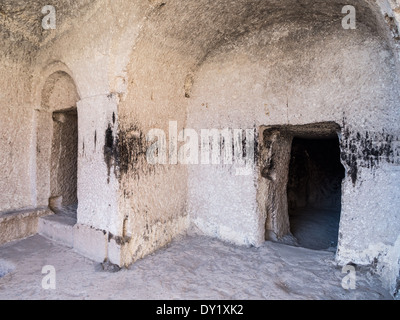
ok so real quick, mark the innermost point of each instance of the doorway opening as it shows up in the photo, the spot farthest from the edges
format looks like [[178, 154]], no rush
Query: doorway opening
[[314, 192], [299, 186], [64, 163]]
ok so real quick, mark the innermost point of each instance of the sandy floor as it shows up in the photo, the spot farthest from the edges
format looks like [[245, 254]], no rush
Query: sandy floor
[[193, 267]]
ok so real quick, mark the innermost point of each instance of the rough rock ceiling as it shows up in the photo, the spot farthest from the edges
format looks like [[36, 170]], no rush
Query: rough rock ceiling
[[199, 27], [203, 22], [21, 20]]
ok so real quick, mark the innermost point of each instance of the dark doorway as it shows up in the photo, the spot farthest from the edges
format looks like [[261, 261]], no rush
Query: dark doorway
[[64, 159], [314, 192]]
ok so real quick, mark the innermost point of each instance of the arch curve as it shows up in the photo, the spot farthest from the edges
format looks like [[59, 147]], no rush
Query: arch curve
[[47, 78]]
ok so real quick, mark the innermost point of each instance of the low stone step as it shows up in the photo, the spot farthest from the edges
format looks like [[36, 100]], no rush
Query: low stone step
[[59, 228]]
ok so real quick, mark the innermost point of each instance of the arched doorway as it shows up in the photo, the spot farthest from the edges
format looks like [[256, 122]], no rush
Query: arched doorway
[[57, 144]]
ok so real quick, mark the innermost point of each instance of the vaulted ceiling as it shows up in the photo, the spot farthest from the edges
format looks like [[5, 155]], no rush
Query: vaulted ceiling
[[201, 25]]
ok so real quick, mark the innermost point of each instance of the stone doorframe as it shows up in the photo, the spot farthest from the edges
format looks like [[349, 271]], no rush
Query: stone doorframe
[[275, 152]]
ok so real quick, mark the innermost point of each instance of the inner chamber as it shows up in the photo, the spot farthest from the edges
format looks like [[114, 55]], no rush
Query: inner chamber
[[314, 192], [64, 158]]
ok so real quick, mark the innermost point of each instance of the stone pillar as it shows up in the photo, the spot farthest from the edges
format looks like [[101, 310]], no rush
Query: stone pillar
[[98, 214]]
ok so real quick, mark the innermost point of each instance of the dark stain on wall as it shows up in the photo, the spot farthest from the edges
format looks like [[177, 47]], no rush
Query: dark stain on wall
[[244, 145], [109, 140], [367, 150], [257, 150], [109, 150], [95, 139], [250, 151], [127, 152], [131, 154], [118, 240]]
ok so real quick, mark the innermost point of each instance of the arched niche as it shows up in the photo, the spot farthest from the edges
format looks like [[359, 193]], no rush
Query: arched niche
[[57, 142]]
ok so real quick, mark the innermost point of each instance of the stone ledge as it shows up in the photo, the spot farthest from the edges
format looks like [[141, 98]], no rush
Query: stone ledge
[[16, 225]]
